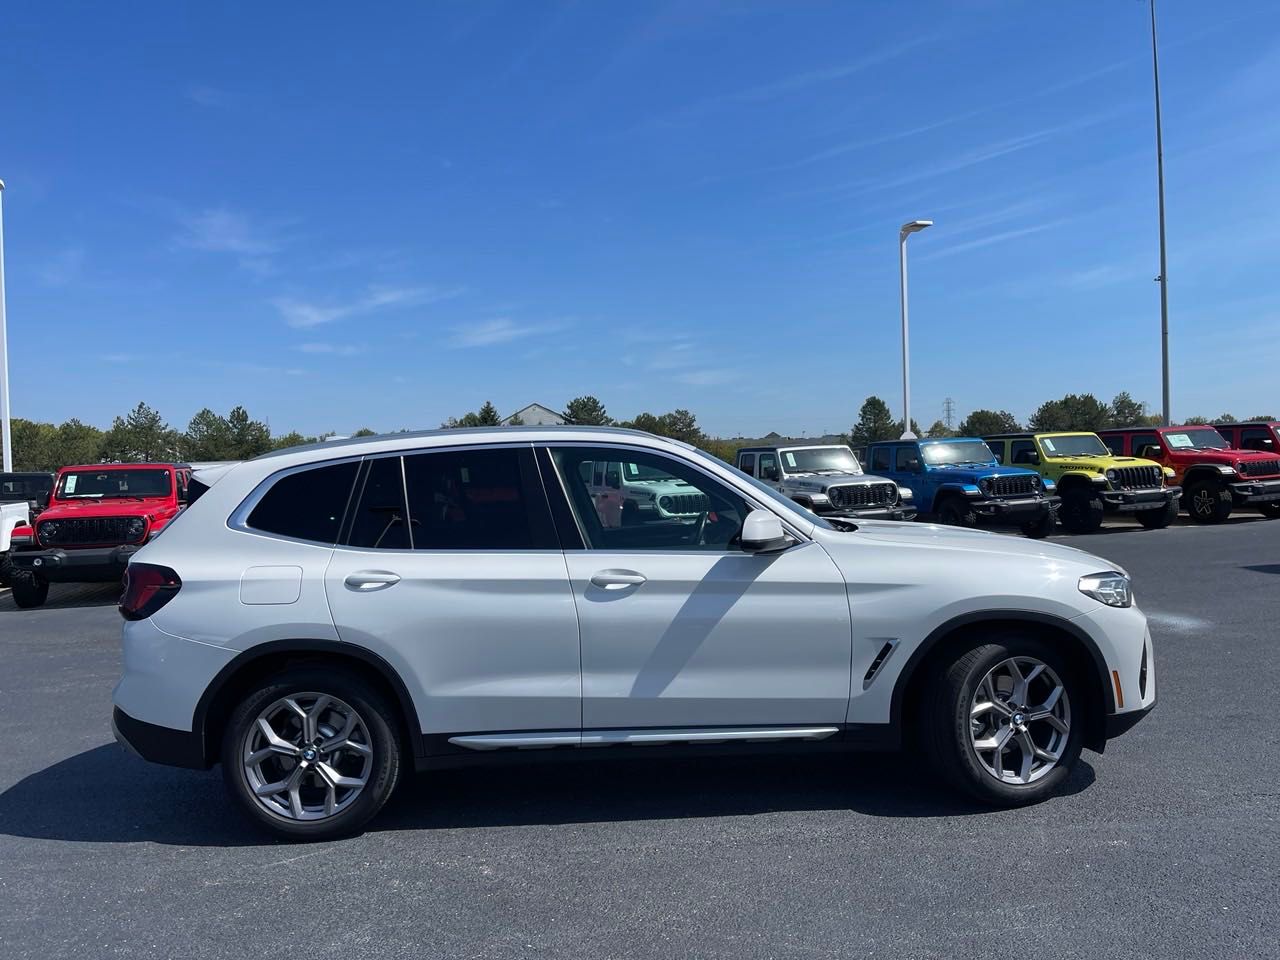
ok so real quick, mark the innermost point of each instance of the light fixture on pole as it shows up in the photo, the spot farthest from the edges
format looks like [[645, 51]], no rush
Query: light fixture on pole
[[907, 229], [6, 440]]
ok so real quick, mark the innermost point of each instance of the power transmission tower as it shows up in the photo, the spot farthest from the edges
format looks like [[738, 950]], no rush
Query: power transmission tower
[[949, 413]]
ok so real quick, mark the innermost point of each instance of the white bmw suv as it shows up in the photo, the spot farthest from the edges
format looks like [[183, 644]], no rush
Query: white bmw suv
[[323, 618]]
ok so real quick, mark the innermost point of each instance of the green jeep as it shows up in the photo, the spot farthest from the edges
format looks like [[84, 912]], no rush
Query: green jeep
[[1091, 480]]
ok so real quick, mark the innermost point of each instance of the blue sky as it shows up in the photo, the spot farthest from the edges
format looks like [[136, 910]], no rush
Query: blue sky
[[343, 216]]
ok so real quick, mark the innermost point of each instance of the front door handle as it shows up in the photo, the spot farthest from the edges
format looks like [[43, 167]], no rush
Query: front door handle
[[617, 579], [367, 581]]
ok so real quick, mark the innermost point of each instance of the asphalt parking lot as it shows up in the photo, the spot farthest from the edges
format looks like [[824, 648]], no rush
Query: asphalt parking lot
[[1167, 846]]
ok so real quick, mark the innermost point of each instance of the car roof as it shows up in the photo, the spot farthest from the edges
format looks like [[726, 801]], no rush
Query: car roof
[[793, 446], [1248, 423], [126, 466]]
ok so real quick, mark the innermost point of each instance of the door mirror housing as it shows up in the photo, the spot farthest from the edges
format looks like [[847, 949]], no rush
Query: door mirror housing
[[913, 465], [770, 473], [762, 533]]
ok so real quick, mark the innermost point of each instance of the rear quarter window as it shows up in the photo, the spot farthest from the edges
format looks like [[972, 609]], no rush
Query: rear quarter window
[[306, 505]]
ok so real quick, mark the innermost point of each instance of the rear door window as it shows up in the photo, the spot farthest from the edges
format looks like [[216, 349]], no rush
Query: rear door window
[[747, 464], [1020, 450], [1115, 444], [880, 459], [1257, 438], [306, 505], [381, 519]]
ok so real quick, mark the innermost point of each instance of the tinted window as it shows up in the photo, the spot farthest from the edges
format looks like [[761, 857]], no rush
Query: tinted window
[[1020, 451], [769, 467], [307, 505], [903, 458], [380, 520], [1257, 438], [667, 504], [747, 464], [997, 449], [1115, 444], [1140, 440], [880, 459], [480, 500]]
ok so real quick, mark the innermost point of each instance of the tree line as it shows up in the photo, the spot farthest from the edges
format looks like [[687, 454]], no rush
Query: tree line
[[144, 435]]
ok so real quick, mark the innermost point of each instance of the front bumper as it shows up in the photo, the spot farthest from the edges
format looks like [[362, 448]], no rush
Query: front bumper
[[1021, 508], [902, 511], [177, 748], [76, 565], [1255, 491], [1133, 501]]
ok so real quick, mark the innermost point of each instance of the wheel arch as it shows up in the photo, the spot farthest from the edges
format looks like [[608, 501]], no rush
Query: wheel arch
[[1202, 471], [961, 630], [1074, 481], [945, 492], [218, 700]]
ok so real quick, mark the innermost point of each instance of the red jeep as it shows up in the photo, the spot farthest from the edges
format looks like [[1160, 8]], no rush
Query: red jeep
[[1261, 435], [1214, 476], [98, 516]]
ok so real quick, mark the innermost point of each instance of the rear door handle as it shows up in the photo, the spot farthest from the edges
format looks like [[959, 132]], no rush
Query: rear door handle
[[367, 581], [617, 579]]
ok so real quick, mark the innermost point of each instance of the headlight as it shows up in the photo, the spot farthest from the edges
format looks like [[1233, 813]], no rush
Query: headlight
[[1112, 476], [1111, 588], [817, 498], [984, 485], [49, 530], [905, 493], [664, 503], [1224, 469], [136, 528]]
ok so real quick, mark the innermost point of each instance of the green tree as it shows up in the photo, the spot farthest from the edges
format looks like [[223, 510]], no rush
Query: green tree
[[1073, 412], [586, 411], [677, 425], [208, 437], [365, 432], [292, 439], [35, 445], [249, 438], [1266, 418], [1196, 421], [78, 443], [1226, 418], [938, 429], [986, 423], [915, 428], [874, 423], [142, 436], [515, 420], [488, 416], [1127, 412]]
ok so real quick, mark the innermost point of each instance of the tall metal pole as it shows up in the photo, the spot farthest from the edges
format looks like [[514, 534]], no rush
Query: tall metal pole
[[906, 364], [6, 440], [1164, 267]]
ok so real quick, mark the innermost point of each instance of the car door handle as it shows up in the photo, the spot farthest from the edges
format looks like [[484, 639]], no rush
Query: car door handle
[[617, 579], [368, 580]]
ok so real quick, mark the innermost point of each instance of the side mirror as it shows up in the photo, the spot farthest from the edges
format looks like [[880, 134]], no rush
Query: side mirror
[[1033, 458], [913, 465], [1150, 452], [770, 473], [762, 533]]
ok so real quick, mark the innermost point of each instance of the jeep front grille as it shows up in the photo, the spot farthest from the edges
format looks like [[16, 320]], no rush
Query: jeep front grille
[[1137, 478], [856, 495], [84, 531], [1259, 468], [684, 503], [1012, 486]]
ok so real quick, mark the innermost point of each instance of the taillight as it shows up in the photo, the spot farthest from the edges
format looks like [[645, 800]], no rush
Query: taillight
[[147, 588]]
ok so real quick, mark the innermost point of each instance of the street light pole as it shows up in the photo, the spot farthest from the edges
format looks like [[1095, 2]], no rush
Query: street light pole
[[907, 229], [6, 440], [1164, 268]]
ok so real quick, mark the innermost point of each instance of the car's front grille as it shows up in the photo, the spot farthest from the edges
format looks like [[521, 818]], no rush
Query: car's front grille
[[1137, 478], [862, 495], [84, 531], [684, 503], [1012, 486], [1259, 468]]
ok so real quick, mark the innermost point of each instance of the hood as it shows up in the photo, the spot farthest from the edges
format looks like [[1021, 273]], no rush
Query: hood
[[115, 507], [963, 540], [969, 474], [817, 484], [1228, 458], [1100, 464]]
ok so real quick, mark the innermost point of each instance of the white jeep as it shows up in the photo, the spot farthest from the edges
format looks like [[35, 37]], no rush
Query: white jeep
[[828, 480]]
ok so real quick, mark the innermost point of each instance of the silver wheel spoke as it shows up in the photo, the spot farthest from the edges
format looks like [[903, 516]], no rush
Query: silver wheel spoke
[[335, 779], [1056, 723], [1028, 749], [1043, 710], [275, 743], [311, 725], [1019, 694], [993, 732], [998, 743], [333, 746]]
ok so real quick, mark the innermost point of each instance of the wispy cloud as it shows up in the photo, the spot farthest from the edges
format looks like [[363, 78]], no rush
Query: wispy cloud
[[490, 333], [227, 231], [302, 314], [332, 349], [994, 238], [62, 268]]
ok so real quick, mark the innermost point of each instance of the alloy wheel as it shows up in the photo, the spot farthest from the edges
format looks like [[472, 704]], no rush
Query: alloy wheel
[[307, 756], [1203, 502], [1020, 720]]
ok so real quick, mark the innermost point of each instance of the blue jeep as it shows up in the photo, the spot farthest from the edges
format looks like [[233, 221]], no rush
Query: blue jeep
[[957, 480]]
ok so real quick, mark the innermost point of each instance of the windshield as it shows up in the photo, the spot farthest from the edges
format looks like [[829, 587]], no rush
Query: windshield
[[957, 452], [102, 484], [1074, 445], [641, 471], [820, 459], [1202, 438]]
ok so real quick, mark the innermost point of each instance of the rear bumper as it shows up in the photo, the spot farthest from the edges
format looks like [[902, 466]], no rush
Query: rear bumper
[[177, 748], [1132, 501], [1255, 491], [83, 565], [1021, 508]]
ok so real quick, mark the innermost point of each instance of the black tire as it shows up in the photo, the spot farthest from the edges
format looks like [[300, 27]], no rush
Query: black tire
[[1041, 527], [1159, 519], [1081, 511], [6, 570], [947, 735], [1270, 510], [955, 512], [384, 739], [1207, 501], [28, 589]]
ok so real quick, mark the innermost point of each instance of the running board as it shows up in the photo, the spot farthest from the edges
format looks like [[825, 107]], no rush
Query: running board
[[602, 738]]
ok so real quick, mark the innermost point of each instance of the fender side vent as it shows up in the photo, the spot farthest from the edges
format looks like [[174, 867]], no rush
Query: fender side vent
[[1142, 674], [881, 658]]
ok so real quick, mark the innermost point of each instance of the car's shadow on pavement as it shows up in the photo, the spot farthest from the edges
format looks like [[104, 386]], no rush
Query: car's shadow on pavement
[[106, 795], [68, 596]]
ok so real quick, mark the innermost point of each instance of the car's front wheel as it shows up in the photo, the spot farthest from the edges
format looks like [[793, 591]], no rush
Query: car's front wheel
[[311, 755], [1207, 501], [1000, 720], [1159, 519], [28, 589], [1081, 511], [1042, 526]]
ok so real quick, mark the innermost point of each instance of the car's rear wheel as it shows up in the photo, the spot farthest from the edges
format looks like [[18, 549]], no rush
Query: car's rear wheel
[[1081, 511], [956, 512], [28, 589], [999, 721], [1207, 501], [1159, 519], [310, 755], [1041, 526]]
